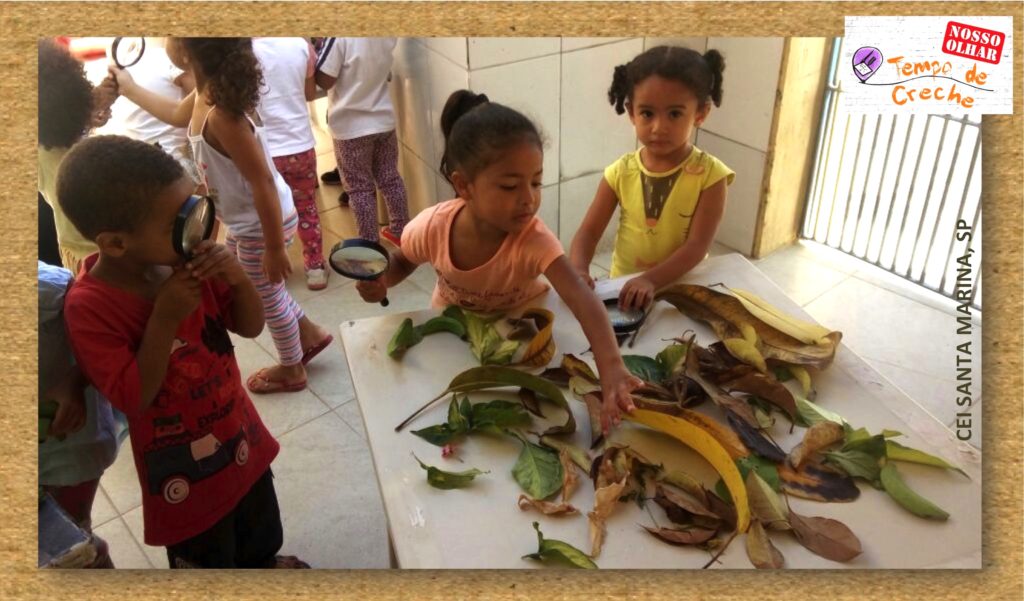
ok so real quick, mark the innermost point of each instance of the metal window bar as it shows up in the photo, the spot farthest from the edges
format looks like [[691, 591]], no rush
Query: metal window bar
[[861, 188]]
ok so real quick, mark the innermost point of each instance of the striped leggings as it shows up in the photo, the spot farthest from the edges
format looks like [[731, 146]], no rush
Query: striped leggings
[[281, 311]]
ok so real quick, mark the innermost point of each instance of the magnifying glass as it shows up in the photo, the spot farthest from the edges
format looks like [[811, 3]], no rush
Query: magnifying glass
[[127, 51], [193, 224], [360, 259], [623, 321]]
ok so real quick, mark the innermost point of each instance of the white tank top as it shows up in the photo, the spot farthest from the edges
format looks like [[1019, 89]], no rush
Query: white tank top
[[231, 192]]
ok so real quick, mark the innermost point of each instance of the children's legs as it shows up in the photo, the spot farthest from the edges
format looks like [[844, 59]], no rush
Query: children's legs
[[392, 188], [299, 172], [278, 306], [356, 164]]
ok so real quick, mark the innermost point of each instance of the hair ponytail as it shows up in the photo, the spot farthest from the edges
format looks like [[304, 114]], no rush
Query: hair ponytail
[[716, 63], [620, 89]]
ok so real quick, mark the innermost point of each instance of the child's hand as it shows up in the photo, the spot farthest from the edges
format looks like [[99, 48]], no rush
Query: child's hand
[[71, 411], [616, 389], [178, 297], [372, 291], [122, 79], [103, 96], [637, 293], [585, 276], [215, 260], [276, 265]]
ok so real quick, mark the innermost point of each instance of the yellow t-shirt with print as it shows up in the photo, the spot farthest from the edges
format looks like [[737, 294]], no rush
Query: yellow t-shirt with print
[[655, 209]]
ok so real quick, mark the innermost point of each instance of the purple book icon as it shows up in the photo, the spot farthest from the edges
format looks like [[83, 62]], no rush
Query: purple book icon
[[866, 61]]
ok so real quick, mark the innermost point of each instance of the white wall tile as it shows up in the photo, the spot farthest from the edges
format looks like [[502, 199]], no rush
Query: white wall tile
[[737, 228], [699, 44], [592, 135], [530, 87], [570, 44], [748, 94], [549, 201], [410, 93], [454, 49], [575, 197], [419, 181], [486, 52], [445, 78]]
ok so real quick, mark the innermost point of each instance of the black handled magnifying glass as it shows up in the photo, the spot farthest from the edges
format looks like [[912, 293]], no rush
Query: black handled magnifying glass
[[193, 224], [624, 321], [360, 259], [125, 52]]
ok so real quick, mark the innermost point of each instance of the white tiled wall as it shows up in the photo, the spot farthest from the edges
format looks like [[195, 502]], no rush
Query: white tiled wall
[[562, 83]]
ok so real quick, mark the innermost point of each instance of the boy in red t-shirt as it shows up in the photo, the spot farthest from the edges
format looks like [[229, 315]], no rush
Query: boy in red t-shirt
[[151, 334]]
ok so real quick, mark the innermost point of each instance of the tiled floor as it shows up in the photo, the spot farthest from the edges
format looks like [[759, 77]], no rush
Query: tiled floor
[[330, 503]]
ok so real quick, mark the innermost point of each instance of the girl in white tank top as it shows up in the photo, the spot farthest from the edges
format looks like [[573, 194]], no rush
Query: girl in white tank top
[[252, 199]]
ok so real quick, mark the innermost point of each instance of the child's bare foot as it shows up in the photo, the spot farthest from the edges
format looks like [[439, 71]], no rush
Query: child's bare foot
[[313, 338], [279, 378]]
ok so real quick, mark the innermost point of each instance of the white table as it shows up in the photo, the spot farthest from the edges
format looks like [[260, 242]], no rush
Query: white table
[[482, 527]]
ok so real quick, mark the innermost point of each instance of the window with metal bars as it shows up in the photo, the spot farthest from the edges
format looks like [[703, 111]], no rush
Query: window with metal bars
[[891, 189]]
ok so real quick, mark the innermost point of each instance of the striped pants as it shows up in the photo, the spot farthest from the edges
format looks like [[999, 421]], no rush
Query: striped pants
[[280, 309], [366, 164]]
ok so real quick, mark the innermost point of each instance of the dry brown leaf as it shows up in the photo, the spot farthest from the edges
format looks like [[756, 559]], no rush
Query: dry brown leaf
[[542, 348], [760, 550], [817, 437], [724, 313], [546, 507], [826, 537], [672, 501], [578, 367], [689, 536], [570, 480], [718, 396], [529, 400], [606, 499]]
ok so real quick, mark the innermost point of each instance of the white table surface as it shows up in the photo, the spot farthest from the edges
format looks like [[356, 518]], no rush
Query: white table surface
[[482, 526]]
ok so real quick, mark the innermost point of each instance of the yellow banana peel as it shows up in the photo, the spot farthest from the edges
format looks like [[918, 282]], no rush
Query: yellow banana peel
[[749, 333], [746, 352], [705, 444], [801, 375], [719, 431], [809, 333]]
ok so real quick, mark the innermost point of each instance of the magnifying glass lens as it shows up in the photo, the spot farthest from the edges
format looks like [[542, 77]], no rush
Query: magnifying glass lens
[[623, 320], [127, 51], [358, 262], [197, 227]]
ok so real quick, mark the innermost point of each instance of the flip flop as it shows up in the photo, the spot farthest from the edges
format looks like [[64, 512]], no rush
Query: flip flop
[[289, 562], [260, 384], [314, 350]]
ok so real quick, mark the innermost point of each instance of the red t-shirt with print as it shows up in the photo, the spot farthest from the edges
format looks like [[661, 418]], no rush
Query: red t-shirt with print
[[200, 446]]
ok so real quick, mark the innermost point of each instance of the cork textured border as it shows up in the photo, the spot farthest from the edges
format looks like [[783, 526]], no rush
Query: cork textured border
[[21, 23]]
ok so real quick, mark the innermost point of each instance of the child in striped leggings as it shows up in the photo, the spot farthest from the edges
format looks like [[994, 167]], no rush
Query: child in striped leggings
[[253, 201], [356, 72]]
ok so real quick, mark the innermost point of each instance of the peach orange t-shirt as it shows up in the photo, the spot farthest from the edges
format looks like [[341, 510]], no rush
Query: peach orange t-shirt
[[507, 280]]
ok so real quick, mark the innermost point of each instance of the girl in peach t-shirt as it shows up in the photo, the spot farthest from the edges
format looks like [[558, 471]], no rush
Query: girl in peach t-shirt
[[488, 247]]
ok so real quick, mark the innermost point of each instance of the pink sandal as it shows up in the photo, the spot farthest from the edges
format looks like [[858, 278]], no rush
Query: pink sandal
[[258, 383], [314, 350]]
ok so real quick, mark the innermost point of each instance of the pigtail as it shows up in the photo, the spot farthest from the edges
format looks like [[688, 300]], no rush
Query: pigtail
[[618, 93], [233, 73], [458, 104], [716, 63]]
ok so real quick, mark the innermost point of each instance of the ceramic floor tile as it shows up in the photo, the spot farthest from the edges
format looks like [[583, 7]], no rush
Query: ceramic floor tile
[[283, 411], [120, 481], [157, 556], [102, 509], [124, 550], [802, 279], [331, 509], [881, 325], [351, 415]]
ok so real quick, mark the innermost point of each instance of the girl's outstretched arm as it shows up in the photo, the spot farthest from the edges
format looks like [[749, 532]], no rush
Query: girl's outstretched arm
[[169, 110], [639, 291], [399, 268], [584, 243], [235, 135], [616, 381]]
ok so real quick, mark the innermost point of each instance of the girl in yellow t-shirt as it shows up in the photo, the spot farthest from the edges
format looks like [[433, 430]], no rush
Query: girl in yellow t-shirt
[[671, 193]]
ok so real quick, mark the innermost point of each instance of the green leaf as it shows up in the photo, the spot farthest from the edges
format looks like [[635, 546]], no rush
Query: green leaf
[[894, 485], [455, 312], [487, 344], [439, 435], [555, 550], [812, 414], [537, 470], [765, 504], [891, 433], [499, 414], [856, 463], [764, 468], [491, 377], [578, 455], [645, 368], [457, 420], [406, 336], [897, 452], [782, 373], [672, 358], [442, 324], [448, 480]]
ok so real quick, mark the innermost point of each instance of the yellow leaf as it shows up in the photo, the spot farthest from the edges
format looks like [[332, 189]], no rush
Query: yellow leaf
[[605, 500], [542, 347], [708, 447]]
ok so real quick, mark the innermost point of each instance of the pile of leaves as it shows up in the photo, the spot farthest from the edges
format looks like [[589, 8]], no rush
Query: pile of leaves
[[742, 376]]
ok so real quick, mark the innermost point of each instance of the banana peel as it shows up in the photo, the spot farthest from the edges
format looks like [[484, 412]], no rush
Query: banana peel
[[806, 332], [746, 352], [708, 447]]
